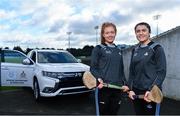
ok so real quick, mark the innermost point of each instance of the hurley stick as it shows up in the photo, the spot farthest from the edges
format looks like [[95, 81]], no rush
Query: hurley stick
[[155, 95], [90, 82]]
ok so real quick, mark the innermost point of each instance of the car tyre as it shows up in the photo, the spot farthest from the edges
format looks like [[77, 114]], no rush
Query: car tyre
[[36, 90]]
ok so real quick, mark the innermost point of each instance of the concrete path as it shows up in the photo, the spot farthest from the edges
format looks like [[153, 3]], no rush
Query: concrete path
[[21, 102]]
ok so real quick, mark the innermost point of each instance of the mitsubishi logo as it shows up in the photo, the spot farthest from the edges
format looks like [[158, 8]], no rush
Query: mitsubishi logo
[[78, 74]]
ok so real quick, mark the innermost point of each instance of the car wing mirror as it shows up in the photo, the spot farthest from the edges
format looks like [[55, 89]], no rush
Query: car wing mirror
[[79, 60], [26, 61]]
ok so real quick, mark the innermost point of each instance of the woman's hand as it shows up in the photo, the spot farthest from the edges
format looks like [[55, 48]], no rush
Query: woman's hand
[[131, 94], [125, 88], [100, 86], [146, 96]]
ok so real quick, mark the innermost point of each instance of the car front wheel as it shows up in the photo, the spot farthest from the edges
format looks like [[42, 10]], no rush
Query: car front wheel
[[36, 90]]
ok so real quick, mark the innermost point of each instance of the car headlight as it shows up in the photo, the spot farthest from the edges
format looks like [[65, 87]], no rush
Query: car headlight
[[52, 74]]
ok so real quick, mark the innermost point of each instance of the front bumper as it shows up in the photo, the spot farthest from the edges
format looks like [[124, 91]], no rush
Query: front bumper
[[71, 83], [67, 91]]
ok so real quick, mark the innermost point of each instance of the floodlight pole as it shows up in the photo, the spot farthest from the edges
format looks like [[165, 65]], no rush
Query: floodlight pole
[[69, 33], [156, 17], [96, 29]]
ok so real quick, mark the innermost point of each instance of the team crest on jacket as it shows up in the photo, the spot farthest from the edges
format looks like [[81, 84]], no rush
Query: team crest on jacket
[[135, 54], [146, 54]]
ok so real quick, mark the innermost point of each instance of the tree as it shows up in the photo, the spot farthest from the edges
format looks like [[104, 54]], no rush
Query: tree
[[87, 50], [18, 48], [28, 50], [6, 48]]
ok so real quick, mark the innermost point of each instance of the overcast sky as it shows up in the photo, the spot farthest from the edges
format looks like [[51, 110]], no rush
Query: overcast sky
[[45, 23]]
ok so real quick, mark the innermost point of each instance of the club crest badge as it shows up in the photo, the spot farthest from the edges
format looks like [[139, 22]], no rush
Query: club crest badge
[[23, 75], [146, 54]]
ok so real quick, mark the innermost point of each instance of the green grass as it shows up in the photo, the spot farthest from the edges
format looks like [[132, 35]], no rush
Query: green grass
[[14, 60], [8, 88]]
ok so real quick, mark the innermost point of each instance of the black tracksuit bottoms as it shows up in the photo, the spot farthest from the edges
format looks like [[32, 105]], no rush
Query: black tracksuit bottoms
[[109, 101], [142, 107]]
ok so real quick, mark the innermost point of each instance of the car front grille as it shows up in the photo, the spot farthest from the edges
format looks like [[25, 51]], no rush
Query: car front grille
[[71, 79]]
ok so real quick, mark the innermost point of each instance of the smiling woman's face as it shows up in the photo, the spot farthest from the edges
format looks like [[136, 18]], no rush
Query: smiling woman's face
[[109, 34], [142, 33]]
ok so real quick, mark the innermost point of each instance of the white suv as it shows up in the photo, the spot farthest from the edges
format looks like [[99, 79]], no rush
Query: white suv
[[47, 72]]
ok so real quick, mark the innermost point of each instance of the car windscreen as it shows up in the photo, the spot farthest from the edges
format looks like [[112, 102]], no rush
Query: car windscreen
[[55, 57]]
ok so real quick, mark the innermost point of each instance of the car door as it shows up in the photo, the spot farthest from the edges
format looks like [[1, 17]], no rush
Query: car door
[[13, 71]]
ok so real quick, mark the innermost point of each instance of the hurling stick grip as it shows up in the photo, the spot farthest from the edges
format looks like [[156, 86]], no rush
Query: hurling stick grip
[[138, 96], [112, 86]]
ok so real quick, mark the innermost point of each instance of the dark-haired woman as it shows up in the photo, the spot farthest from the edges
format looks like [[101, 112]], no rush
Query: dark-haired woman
[[147, 68]]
